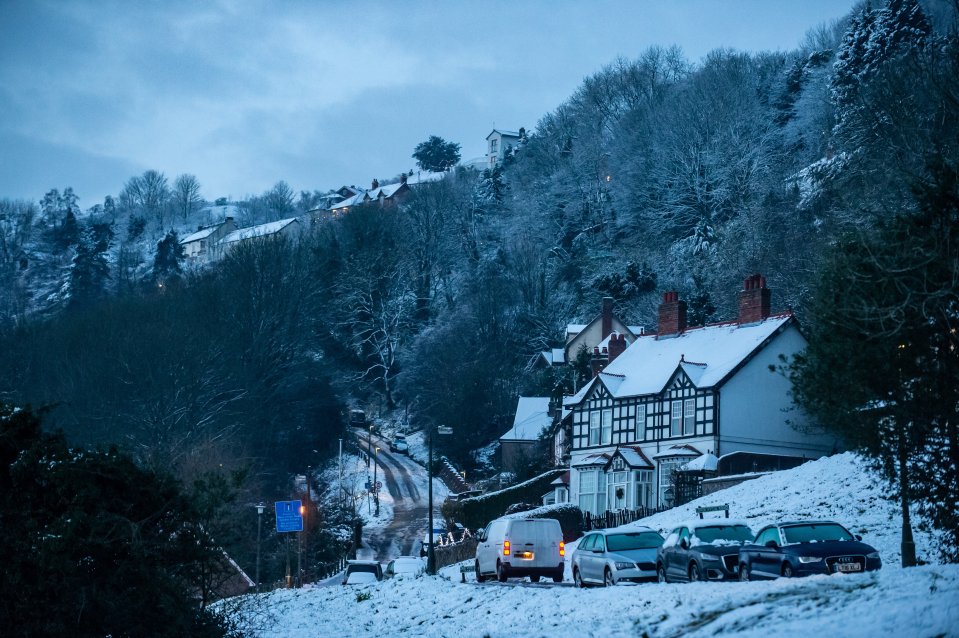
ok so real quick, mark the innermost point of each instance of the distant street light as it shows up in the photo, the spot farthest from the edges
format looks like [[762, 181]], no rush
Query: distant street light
[[259, 528]]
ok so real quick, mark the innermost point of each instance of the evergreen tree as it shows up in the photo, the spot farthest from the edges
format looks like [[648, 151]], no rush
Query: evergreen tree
[[90, 271], [169, 255], [882, 365], [94, 546], [436, 154]]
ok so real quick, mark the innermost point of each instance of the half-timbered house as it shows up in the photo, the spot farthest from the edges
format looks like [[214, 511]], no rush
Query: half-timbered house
[[671, 397]]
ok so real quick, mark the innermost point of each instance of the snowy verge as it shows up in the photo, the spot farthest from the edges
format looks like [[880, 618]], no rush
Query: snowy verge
[[914, 602], [839, 488]]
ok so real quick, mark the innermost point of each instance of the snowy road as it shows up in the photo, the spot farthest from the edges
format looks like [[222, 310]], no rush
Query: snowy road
[[404, 504]]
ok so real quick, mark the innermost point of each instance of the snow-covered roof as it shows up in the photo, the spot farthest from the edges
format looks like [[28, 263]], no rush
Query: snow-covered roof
[[554, 356], [532, 417], [562, 480], [677, 450], [707, 355], [593, 459], [203, 233], [706, 463], [502, 132], [258, 231], [634, 457]]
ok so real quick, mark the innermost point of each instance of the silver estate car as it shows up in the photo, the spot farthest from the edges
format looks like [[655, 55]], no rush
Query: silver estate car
[[607, 557]]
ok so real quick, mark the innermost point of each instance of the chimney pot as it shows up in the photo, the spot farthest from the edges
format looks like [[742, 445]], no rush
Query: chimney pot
[[754, 300]]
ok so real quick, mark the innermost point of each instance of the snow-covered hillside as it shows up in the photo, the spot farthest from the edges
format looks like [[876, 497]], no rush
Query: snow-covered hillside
[[894, 601]]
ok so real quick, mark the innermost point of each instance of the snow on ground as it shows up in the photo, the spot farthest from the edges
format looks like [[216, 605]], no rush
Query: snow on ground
[[916, 602], [838, 488]]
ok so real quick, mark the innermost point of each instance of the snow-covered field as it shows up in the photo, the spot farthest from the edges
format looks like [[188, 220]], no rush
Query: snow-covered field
[[914, 602]]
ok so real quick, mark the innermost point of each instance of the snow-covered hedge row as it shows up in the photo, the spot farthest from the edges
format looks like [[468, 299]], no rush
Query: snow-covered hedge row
[[476, 512]]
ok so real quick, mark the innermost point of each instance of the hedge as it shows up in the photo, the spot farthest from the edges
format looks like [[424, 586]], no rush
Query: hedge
[[476, 512]]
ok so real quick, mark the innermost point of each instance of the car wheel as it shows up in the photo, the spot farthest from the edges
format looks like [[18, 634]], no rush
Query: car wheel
[[578, 579], [558, 576], [695, 574], [479, 576], [787, 571], [661, 573], [534, 578], [608, 580], [744, 572], [501, 575]]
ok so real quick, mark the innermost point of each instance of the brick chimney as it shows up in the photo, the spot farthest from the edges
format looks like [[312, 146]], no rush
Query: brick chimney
[[376, 184], [599, 360], [754, 300], [617, 346], [672, 315], [607, 316]]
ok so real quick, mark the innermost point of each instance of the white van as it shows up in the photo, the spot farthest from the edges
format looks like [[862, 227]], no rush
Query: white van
[[521, 547]]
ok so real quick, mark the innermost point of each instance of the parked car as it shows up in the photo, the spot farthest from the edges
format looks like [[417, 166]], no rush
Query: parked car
[[399, 444], [607, 557], [802, 548], [517, 547], [438, 532], [405, 566], [703, 550], [362, 572]]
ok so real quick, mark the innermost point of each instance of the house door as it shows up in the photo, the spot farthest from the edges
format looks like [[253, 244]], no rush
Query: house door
[[616, 496]]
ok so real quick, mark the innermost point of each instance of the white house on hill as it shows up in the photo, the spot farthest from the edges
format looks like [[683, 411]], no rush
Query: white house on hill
[[670, 398], [498, 143]]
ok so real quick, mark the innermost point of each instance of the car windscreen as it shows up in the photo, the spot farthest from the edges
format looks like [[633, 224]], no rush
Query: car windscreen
[[632, 540], [729, 533], [811, 533], [353, 569]]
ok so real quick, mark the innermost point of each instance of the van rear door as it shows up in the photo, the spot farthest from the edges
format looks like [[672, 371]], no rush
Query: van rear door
[[535, 543]]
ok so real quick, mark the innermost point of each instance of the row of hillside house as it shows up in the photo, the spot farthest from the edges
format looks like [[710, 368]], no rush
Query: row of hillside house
[[688, 399], [527, 437], [213, 242]]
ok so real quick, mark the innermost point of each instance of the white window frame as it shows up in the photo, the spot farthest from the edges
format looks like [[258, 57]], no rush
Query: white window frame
[[676, 418], [689, 416], [641, 422], [594, 427], [606, 425], [642, 489]]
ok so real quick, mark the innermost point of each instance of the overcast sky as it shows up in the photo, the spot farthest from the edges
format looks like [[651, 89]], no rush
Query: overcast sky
[[320, 94]]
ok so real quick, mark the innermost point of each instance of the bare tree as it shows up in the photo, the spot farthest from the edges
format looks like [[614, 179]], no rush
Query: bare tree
[[186, 195]]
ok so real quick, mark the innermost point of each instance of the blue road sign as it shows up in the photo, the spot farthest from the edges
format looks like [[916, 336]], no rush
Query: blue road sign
[[288, 517]]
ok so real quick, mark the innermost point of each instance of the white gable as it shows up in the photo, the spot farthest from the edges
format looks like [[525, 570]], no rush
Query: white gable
[[532, 417]]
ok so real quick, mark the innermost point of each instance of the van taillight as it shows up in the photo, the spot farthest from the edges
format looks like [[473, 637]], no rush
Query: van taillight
[[505, 548], [562, 548]]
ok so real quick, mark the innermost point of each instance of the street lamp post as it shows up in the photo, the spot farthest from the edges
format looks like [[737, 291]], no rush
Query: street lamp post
[[259, 530], [376, 491], [369, 446]]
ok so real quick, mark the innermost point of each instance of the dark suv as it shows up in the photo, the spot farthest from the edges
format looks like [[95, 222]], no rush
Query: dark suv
[[702, 550], [802, 548]]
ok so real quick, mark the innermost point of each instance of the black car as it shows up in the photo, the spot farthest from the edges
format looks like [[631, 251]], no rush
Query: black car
[[702, 550], [803, 548]]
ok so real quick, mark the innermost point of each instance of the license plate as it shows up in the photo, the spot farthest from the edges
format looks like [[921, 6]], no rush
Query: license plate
[[848, 567], [525, 555]]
